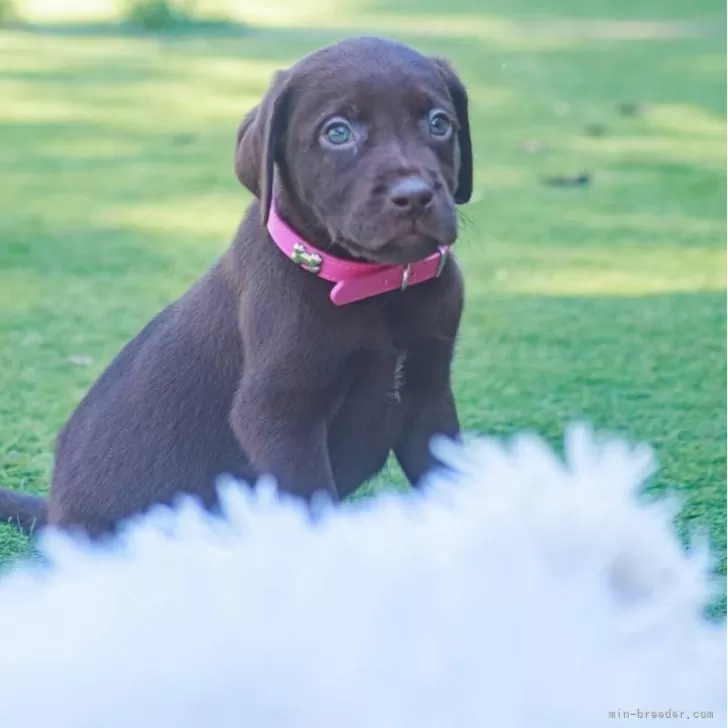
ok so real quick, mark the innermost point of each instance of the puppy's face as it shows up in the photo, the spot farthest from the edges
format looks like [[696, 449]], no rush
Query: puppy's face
[[371, 141]]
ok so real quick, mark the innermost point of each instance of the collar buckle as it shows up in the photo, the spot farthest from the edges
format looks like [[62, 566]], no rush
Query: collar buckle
[[444, 252], [406, 273]]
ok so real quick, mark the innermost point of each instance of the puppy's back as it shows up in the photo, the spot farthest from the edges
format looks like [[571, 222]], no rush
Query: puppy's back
[[124, 448]]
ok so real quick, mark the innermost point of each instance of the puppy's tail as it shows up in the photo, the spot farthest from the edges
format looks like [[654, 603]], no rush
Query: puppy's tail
[[26, 512]]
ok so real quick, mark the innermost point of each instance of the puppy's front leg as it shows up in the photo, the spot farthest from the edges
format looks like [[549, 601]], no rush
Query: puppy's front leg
[[293, 374], [282, 429], [430, 409]]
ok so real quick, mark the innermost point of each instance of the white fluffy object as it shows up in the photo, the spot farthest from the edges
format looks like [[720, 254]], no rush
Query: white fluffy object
[[521, 592]]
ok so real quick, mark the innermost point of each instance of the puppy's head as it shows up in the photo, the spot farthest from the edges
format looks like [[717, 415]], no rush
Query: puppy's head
[[371, 143]]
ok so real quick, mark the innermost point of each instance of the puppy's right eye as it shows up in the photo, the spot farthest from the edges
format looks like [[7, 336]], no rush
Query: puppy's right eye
[[337, 133]]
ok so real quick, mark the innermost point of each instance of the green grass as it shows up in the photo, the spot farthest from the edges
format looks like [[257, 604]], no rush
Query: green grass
[[604, 303]]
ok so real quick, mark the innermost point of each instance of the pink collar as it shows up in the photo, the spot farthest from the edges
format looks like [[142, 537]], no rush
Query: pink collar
[[354, 281]]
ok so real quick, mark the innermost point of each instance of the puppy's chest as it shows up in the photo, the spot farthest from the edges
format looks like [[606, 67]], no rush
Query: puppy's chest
[[380, 379], [393, 380], [393, 395]]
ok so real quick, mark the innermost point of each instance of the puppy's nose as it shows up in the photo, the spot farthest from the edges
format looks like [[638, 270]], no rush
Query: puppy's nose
[[411, 196]]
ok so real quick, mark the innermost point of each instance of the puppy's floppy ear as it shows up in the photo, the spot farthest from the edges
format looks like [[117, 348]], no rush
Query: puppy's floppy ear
[[460, 98], [260, 140]]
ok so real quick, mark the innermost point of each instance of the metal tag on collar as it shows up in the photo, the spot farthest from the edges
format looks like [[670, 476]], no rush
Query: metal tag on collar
[[308, 261]]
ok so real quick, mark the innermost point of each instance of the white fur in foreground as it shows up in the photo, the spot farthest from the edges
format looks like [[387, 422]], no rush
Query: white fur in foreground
[[521, 593]]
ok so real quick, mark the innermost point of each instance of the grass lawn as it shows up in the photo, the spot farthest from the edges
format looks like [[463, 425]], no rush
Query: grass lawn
[[603, 302]]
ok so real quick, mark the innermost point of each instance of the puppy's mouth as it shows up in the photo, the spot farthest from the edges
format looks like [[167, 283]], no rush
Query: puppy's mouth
[[405, 248]]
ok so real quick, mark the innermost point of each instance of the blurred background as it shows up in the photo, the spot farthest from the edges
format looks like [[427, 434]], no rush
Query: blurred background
[[594, 248]]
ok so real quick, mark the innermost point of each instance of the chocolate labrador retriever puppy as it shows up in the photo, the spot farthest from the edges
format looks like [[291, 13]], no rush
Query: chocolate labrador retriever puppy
[[322, 339]]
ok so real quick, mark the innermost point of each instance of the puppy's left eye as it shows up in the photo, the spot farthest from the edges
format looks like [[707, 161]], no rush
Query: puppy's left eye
[[440, 125]]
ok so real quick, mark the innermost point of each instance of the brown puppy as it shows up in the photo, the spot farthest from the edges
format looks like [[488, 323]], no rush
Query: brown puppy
[[363, 148]]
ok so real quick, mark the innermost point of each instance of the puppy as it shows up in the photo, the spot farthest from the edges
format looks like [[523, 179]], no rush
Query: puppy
[[322, 339]]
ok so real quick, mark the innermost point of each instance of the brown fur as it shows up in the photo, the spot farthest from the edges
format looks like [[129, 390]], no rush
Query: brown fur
[[254, 370]]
